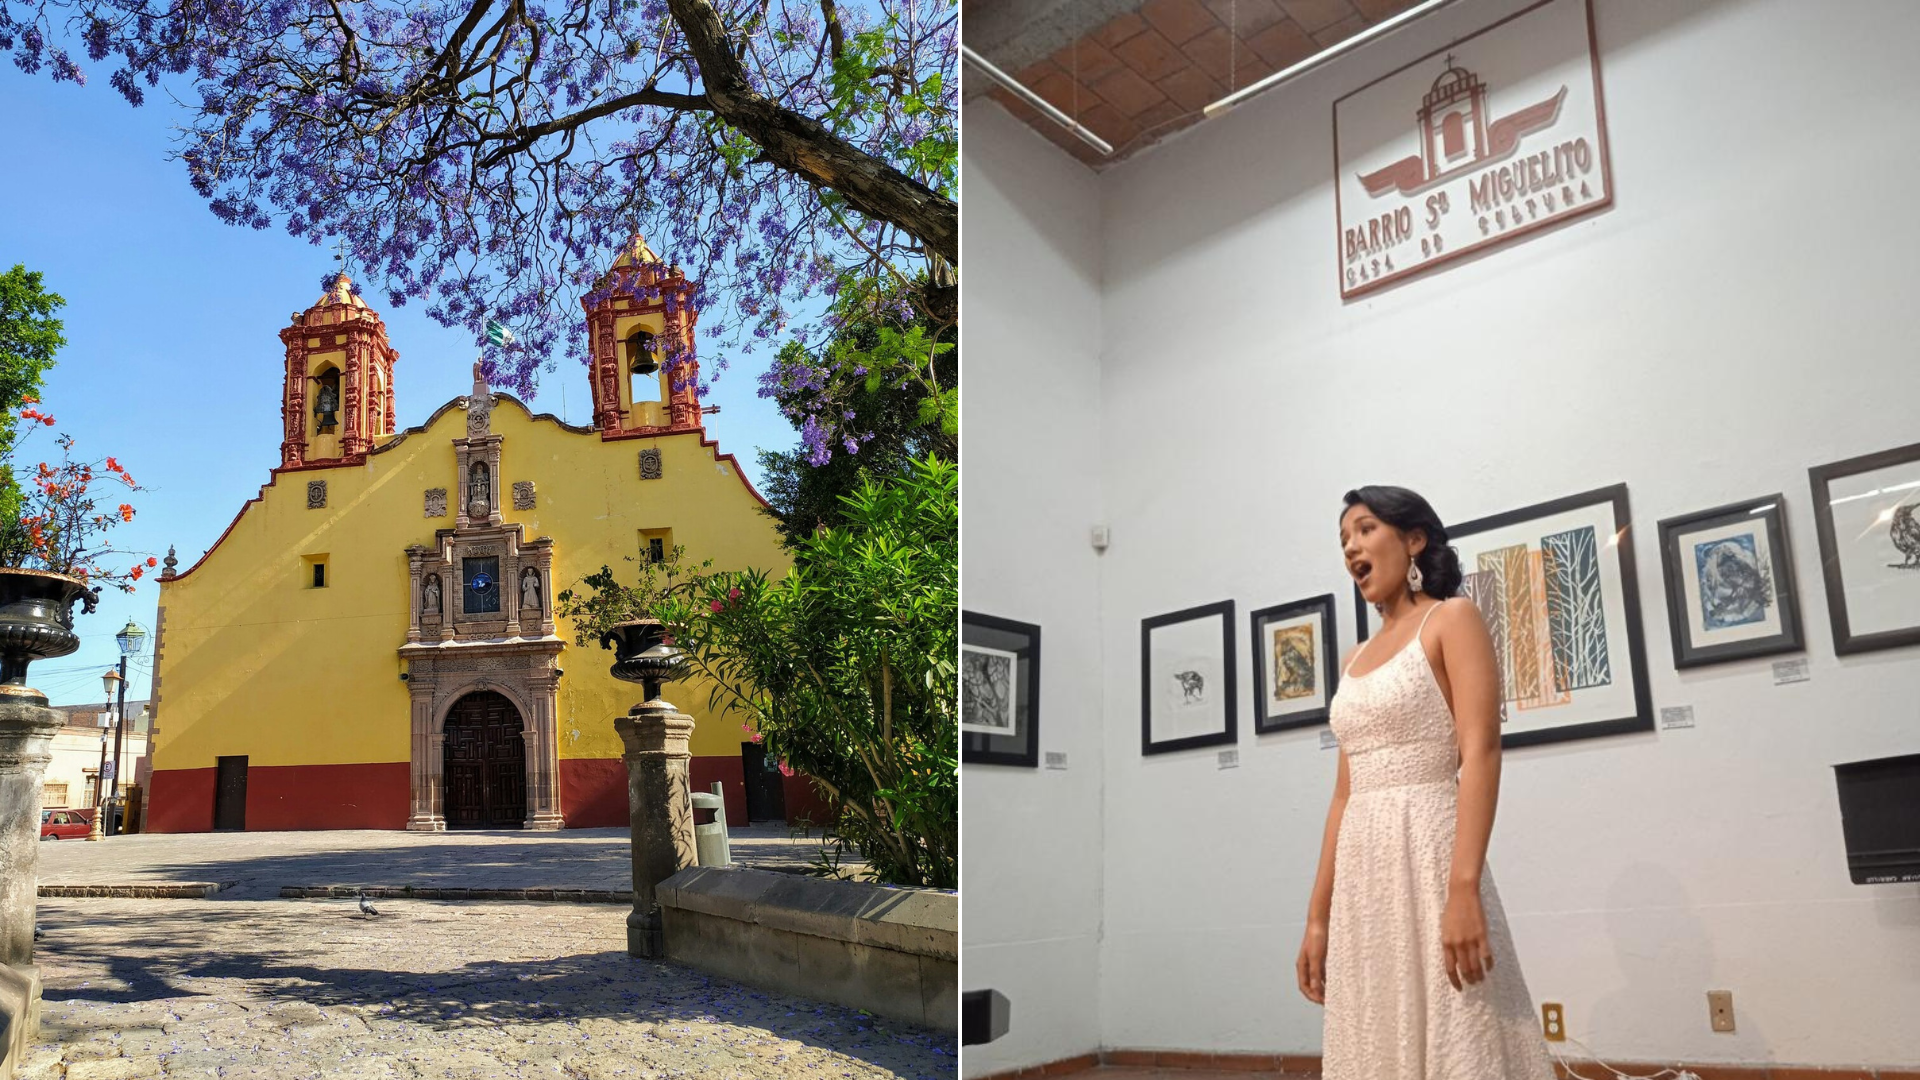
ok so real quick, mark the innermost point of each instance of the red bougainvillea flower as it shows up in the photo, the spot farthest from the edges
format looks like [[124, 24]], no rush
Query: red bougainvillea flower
[[47, 420], [151, 561], [137, 571], [716, 605], [733, 594], [126, 512], [112, 465]]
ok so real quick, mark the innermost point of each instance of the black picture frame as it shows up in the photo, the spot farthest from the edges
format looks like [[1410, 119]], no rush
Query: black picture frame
[[1776, 581], [1228, 684], [1902, 520], [1326, 661], [1361, 632], [1021, 749], [1620, 549]]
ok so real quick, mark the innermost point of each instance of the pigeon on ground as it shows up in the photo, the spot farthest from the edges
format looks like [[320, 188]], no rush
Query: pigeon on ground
[[365, 907]]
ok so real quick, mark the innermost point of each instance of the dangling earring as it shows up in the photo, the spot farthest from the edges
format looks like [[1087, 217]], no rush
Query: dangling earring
[[1414, 578]]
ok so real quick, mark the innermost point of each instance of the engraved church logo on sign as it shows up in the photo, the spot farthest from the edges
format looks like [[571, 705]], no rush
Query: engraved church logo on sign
[[1507, 137]]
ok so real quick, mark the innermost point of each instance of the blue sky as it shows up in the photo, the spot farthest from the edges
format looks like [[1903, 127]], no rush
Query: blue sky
[[172, 362]]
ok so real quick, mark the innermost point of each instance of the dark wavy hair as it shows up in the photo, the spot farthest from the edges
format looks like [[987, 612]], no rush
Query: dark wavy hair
[[1407, 511]]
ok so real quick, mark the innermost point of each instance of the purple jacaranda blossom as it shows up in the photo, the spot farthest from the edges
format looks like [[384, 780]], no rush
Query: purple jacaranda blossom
[[316, 117]]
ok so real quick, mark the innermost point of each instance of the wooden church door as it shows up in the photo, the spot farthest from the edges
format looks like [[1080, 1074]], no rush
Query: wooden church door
[[486, 764]]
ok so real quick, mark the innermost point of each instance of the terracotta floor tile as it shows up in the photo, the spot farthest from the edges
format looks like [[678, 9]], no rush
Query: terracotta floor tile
[[1316, 15], [1179, 21], [1086, 59], [1246, 17], [1150, 54], [1283, 44]]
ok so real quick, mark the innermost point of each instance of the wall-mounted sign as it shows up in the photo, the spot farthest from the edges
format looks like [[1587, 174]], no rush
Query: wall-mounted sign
[[1489, 139]]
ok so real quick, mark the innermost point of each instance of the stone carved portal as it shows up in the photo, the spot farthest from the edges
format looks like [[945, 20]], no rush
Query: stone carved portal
[[504, 652]]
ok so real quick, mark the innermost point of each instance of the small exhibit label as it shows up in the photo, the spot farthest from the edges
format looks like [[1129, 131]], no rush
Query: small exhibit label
[[1229, 759], [1790, 671], [1676, 716], [1327, 741], [1057, 759]]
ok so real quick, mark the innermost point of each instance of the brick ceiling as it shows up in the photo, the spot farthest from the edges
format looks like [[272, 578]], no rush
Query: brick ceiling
[[1140, 75]]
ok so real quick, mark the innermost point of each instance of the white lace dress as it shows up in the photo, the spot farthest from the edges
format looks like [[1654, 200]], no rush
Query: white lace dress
[[1391, 1014]]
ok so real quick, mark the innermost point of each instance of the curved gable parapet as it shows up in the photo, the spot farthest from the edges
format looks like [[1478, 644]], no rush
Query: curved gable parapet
[[460, 403], [231, 525], [705, 443]]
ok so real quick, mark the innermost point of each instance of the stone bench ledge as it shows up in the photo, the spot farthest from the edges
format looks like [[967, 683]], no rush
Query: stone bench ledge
[[921, 922]]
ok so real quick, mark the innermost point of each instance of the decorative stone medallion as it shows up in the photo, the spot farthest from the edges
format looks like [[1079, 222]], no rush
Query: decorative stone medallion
[[523, 494], [436, 503], [650, 464], [316, 494]]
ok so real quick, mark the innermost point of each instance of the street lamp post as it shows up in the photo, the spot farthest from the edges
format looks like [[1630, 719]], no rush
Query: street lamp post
[[130, 638], [109, 773]]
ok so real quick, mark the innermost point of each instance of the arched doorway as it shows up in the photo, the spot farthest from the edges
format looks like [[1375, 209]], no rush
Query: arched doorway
[[486, 764]]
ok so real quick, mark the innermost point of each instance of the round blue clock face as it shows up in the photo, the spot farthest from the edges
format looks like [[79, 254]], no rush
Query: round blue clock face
[[482, 582]]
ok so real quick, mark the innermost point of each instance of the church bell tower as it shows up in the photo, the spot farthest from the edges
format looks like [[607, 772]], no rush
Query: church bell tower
[[640, 333], [338, 396]]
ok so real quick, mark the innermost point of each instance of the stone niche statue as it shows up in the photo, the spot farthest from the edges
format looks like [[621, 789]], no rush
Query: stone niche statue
[[430, 595], [530, 590], [479, 490]]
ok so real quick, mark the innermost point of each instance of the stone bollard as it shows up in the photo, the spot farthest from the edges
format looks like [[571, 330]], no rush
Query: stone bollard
[[26, 745], [655, 735]]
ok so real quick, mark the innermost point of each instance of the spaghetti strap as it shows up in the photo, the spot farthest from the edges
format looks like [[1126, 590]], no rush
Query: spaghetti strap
[[1423, 620]]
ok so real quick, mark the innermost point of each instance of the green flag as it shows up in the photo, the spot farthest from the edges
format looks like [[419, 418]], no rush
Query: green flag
[[497, 334]]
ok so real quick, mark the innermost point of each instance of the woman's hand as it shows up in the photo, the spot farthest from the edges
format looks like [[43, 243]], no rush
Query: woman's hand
[[1463, 936], [1311, 967]]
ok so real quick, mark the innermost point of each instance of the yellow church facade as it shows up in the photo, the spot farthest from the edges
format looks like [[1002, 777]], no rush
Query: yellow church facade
[[372, 643]]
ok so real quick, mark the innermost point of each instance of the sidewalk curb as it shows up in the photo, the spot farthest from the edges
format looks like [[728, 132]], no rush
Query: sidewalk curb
[[409, 892], [172, 890]]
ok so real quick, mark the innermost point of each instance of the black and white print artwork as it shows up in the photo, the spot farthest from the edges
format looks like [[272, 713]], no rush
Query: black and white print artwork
[[1188, 684], [987, 690], [1876, 533]]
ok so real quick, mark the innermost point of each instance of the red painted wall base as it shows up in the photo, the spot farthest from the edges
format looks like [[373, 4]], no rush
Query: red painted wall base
[[593, 791], [180, 800], [297, 797], [593, 794]]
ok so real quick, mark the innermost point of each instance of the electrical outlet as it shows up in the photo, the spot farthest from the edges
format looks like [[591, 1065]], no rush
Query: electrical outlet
[[1720, 1009], [1553, 1021]]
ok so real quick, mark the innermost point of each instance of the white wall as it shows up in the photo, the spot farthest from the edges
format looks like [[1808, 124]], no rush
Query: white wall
[[1744, 311], [1030, 490]]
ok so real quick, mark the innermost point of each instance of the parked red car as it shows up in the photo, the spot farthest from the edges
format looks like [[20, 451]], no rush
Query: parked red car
[[65, 824]]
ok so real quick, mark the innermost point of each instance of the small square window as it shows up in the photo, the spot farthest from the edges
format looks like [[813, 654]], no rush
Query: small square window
[[314, 572], [655, 545]]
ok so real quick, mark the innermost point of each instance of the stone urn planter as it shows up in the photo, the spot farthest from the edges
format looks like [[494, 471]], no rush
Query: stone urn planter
[[36, 623], [659, 808], [641, 654]]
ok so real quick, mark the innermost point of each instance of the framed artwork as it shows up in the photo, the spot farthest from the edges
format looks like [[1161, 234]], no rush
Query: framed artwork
[[1187, 679], [999, 691], [1729, 578], [1556, 586], [1360, 609], [1866, 511], [1296, 656]]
